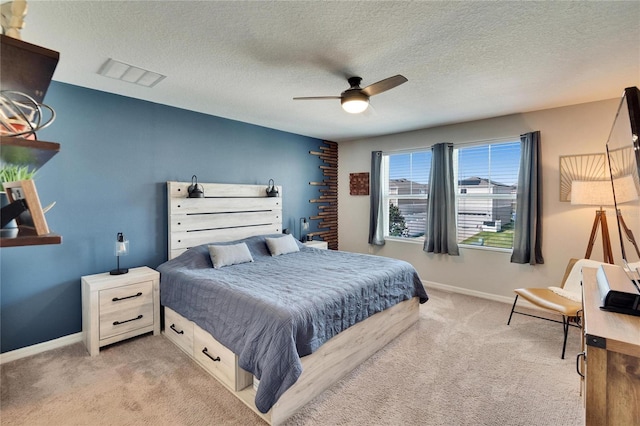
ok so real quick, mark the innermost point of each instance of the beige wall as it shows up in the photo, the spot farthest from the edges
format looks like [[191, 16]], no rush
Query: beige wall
[[579, 129]]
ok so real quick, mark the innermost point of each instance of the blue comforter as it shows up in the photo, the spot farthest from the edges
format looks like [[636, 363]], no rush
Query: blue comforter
[[274, 310]]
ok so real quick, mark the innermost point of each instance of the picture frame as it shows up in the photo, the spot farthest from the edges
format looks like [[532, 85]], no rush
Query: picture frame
[[33, 217]]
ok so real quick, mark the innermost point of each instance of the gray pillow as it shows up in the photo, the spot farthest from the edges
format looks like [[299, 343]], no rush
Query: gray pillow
[[282, 245], [226, 255]]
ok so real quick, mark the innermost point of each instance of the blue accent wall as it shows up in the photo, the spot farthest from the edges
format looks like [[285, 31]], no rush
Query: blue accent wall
[[110, 176]]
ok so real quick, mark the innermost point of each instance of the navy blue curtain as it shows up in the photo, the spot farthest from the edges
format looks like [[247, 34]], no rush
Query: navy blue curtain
[[376, 231], [441, 232], [527, 239]]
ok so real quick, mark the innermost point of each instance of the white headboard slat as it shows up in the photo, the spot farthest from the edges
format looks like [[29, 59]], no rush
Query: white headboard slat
[[228, 212]]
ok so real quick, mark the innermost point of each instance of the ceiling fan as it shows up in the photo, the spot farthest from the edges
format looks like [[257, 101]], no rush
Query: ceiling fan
[[356, 99]]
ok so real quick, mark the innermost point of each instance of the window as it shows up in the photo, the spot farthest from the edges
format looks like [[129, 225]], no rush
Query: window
[[487, 185], [487, 177], [406, 193]]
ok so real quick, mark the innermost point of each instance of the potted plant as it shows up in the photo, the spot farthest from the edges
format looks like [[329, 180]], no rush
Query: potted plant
[[13, 173]]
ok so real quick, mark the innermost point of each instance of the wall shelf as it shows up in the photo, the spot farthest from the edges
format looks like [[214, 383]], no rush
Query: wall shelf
[[26, 237], [36, 154], [22, 151], [27, 68]]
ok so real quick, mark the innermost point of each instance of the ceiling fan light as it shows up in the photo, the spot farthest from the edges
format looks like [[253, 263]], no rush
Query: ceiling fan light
[[355, 104]]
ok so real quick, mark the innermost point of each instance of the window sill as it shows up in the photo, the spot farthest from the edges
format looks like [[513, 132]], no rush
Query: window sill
[[417, 240], [485, 248], [420, 241]]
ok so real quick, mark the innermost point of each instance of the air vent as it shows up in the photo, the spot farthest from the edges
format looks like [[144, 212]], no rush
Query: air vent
[[130, 73]]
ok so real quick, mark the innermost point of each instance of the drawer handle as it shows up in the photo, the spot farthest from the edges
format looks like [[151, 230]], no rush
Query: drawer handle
[[206, 352], [117, 299], [129, 320], [580, 355], [173, 327]]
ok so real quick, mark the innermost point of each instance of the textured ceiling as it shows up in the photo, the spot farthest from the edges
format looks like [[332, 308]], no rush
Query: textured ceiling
[[247, 60]]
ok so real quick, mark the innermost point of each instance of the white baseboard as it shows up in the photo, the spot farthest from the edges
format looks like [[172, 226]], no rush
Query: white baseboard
[[40, 347], [503, 299], [468, 292]]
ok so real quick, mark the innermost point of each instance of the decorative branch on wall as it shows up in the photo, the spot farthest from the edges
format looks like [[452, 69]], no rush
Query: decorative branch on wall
[[580, 167], [359, 183], [328, 201]]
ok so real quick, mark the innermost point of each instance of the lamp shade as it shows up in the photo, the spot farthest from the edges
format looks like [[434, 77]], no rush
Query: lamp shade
[[121, 248], [600, 192], [591, 193], [195, 190], [122, 245]]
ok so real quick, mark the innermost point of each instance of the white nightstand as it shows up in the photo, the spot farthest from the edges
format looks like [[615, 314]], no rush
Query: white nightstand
[[317, 244], [116, 307]]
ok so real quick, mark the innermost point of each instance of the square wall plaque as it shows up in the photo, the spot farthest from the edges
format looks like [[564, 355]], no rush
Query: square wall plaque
[[359, 183]]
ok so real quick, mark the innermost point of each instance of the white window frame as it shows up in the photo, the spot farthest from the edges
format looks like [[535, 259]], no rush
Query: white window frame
[[384, 173], [386, 197], [471, 196]]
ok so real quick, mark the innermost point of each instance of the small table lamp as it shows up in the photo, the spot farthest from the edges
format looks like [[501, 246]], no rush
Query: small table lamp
[[304, 227], [121, 249]]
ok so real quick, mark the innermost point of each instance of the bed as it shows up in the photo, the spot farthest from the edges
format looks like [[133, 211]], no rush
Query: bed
[[276, 330]]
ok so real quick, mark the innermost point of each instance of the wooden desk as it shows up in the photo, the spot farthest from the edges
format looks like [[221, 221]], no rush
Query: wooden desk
[[612, 371]]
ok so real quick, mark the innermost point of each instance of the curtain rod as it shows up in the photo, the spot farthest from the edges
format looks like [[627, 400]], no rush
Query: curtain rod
[[457, 144]]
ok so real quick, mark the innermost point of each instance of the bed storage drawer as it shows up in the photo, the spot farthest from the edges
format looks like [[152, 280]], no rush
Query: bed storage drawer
[[179, 330], [219, 361], [126, 308]]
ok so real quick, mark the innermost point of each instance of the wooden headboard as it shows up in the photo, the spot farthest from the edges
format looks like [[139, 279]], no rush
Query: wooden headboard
[[228, 212]]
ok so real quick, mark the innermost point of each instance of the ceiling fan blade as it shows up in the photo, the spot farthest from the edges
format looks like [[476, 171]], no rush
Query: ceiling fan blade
[[384, 85], [307, 98]]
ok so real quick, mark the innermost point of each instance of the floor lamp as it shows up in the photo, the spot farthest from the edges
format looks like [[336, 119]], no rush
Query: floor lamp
[[595, 193]]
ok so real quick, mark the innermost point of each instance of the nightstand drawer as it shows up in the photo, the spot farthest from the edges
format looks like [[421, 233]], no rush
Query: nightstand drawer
[[219, 361], [179, 330], [125, 308]]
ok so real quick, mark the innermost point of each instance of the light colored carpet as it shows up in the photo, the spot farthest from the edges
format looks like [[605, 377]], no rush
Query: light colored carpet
[[459, 365]]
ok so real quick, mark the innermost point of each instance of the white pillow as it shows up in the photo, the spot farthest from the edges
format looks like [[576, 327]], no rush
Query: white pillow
[[282, 245], [229, 255]]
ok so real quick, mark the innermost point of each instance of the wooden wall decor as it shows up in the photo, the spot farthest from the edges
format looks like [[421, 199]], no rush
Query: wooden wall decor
[[359, 183], [580, 167], [328, 201]]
